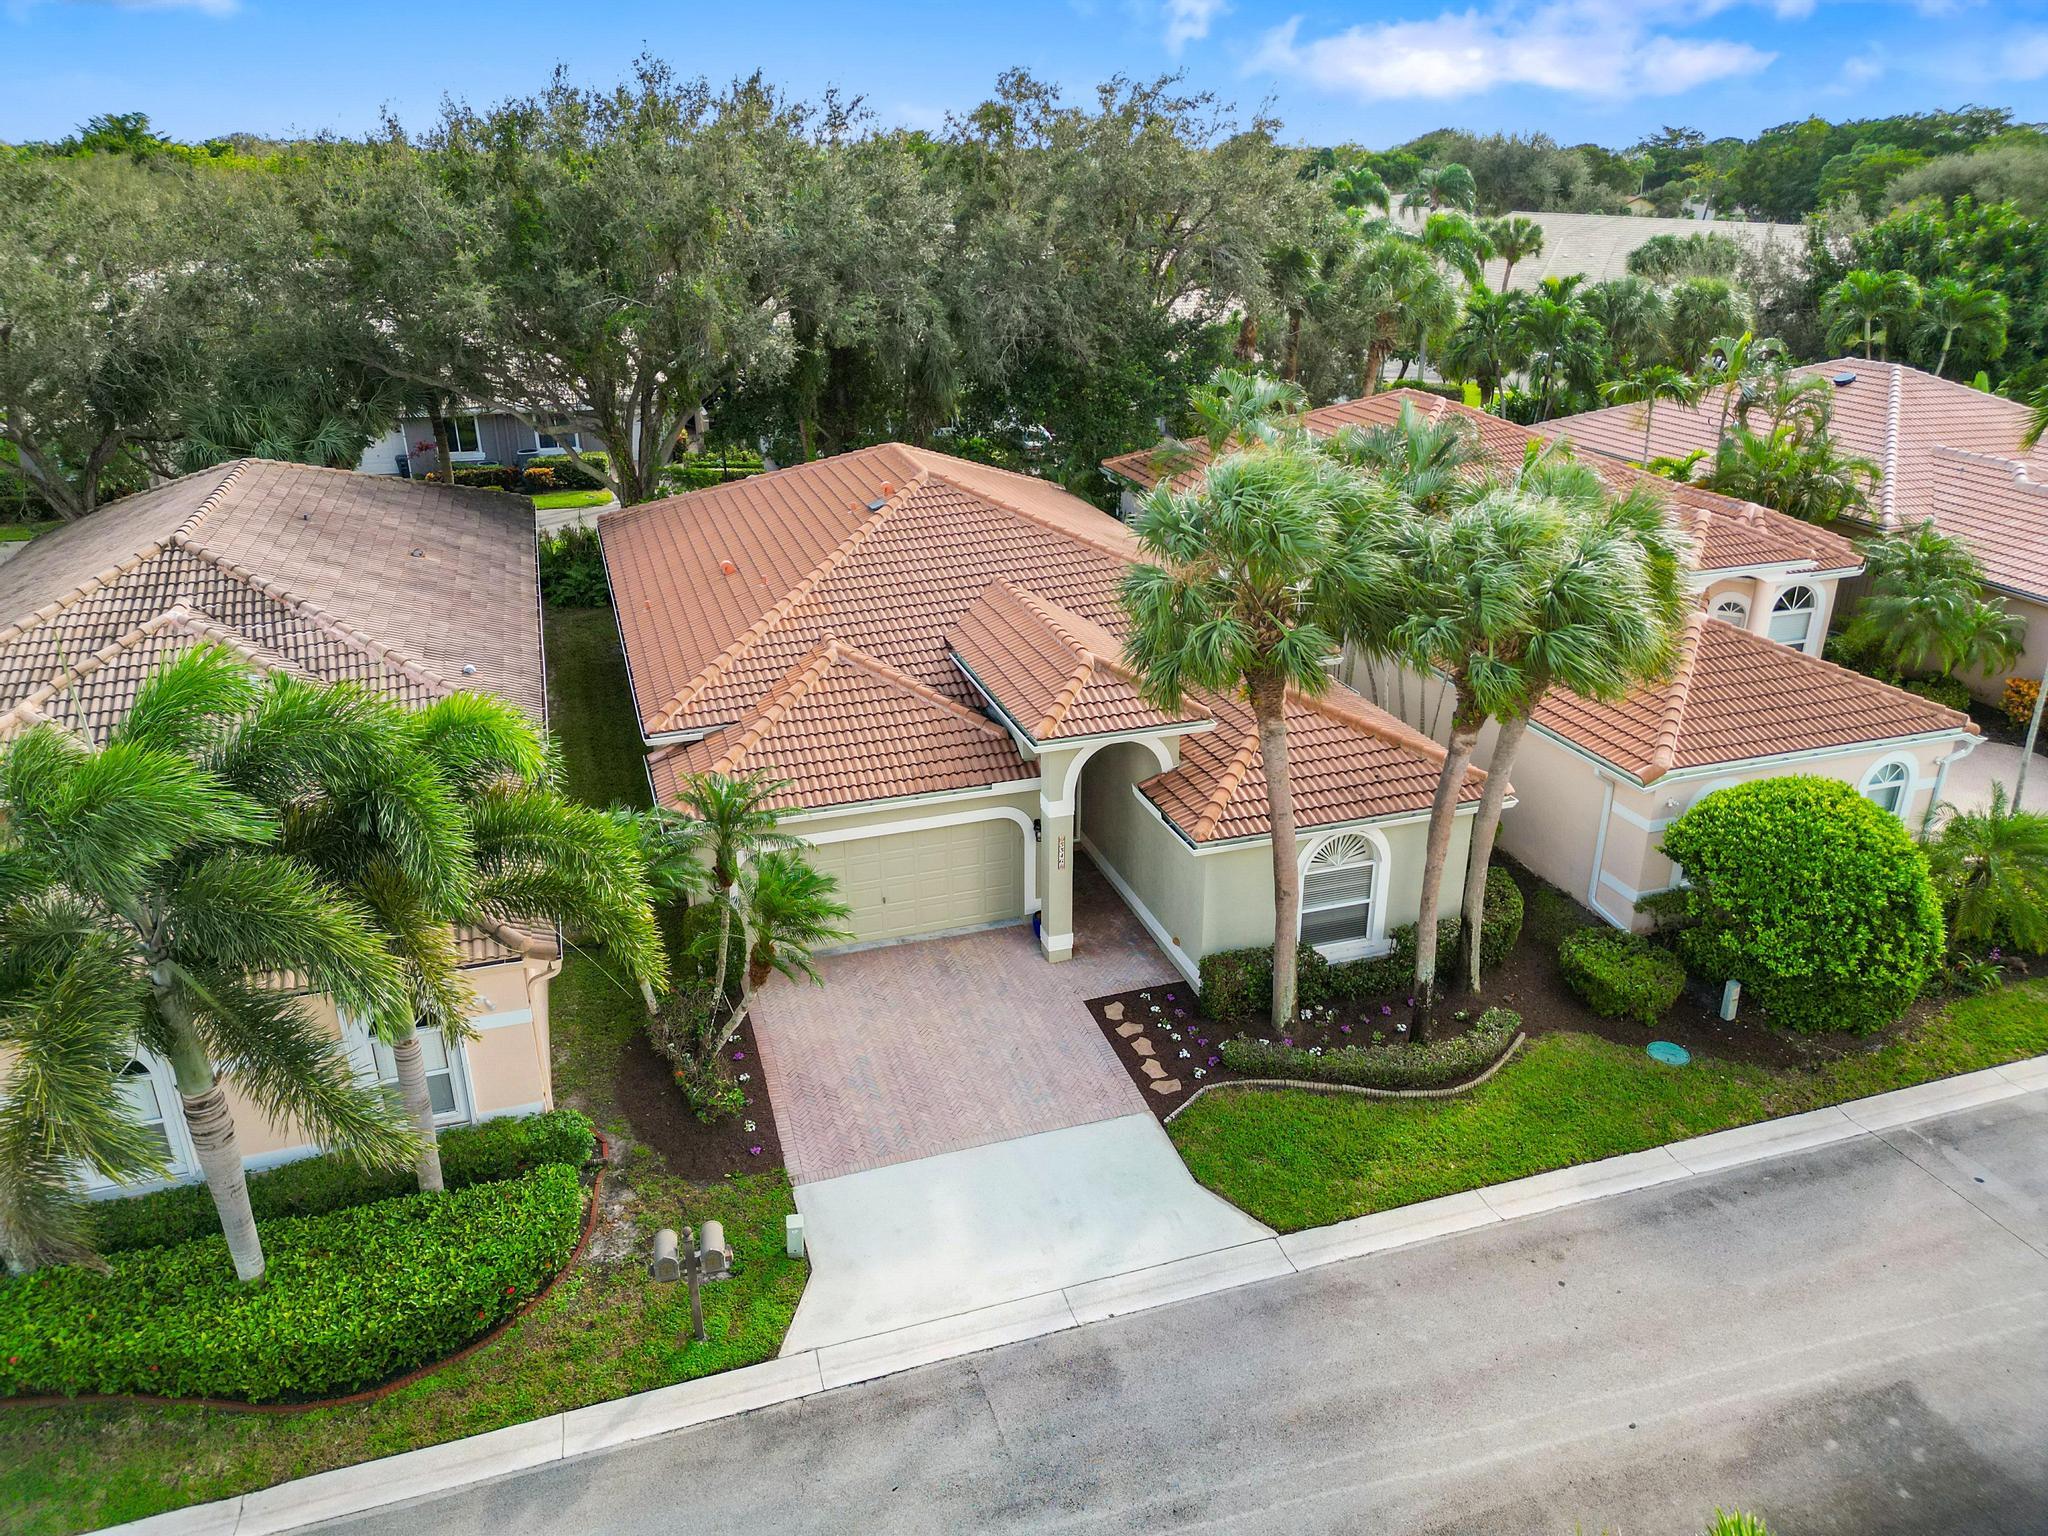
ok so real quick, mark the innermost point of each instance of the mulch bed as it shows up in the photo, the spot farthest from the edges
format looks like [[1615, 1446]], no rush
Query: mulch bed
[[1178, 1041], [654, 1108]]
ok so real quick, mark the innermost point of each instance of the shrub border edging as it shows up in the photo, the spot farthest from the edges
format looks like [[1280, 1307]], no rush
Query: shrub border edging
[[367, 1394], [1370, 1093]]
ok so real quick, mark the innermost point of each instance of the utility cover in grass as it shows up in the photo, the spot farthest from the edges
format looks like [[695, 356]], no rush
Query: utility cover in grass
[[1669, 1054]]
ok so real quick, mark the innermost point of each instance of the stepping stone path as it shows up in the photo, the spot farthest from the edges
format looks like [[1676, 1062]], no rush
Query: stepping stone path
[[1133, 1031], [1129, 1028], [1165, 1084], [1152, 1069], [1113, 1012], [1142, 1047]]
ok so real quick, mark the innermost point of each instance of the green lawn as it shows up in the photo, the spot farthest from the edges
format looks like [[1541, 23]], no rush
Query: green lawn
[[591, 709], [18, 533], [1297, 1160], [551, 501]]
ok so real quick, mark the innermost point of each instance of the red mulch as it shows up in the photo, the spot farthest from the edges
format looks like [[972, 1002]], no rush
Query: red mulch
[[660, 1119], [1529, 982]]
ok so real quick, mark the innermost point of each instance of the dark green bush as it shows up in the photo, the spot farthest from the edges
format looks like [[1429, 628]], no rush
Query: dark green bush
[[570, 474], [1819, 903], [350, 1298], [698, 942], [470, 1154], [1946, 691], [1621, 975], [1238, 983], [1434, 1064], [572, 569]]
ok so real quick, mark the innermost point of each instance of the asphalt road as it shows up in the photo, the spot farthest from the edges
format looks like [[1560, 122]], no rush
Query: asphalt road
[[1851, 1341]]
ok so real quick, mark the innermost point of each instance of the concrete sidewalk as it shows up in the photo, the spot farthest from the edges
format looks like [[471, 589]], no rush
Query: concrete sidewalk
[[2005, 1198]]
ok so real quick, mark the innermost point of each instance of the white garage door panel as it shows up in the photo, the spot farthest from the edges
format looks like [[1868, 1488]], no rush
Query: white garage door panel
[[907, 883]]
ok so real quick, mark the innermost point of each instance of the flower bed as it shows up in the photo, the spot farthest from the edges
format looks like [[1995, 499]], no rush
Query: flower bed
[[313, 1186], [349, 1299], [1441, 1063]]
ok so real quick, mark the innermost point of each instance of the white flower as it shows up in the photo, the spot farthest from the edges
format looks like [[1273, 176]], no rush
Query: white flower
[[746, 1077], [750, 1125], [1183, 1053], [1200, 1073]]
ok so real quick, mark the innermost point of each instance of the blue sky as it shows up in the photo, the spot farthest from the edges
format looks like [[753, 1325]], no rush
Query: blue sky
[[1605, 70]]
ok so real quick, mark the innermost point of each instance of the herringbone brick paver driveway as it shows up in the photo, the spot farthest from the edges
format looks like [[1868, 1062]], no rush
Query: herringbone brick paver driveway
[[915, 1049]]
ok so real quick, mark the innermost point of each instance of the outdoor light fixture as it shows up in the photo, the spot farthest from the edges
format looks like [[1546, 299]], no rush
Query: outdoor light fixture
[[1037, 830], [687, 1258]]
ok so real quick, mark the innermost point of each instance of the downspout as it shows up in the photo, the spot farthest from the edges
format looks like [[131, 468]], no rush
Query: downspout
[[1955, 754]]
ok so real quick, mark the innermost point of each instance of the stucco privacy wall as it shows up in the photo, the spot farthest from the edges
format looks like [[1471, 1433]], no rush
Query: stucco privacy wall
[[1990, 686], [1222, 898]]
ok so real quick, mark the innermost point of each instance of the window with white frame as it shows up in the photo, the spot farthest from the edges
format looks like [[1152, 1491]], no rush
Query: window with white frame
[[549, 442], [465, 438], [1887, 786], [444, 1081], [1792, 617], [1336, 894], [146, 1104], [1731, 610]]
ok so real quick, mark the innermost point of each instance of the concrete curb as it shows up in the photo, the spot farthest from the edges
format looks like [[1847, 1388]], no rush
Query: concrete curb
[[442, 1468]]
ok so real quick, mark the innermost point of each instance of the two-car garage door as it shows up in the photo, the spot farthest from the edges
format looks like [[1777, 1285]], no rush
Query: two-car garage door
[[903, 884]]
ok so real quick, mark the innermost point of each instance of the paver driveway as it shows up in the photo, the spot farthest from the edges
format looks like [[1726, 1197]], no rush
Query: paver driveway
[[914, 1049]]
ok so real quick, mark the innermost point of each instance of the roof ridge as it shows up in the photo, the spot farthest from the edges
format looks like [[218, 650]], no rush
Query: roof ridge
[[1664, 757], [868, 662], [2016, 468], [714, 669], [1862, 680], [1227, 784], [930, 471], [1887, 515], [776, 704], [1375, 721]]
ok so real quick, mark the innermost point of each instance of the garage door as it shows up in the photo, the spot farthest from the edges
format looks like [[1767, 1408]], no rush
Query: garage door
[[908, 883]]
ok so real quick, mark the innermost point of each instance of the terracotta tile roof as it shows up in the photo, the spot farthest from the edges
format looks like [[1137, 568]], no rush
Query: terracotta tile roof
[[1054, 673], [1735, 696], [1906, 421], [1726, 534], [301, 569], [1348, 760], [813, 621], [842, 726]]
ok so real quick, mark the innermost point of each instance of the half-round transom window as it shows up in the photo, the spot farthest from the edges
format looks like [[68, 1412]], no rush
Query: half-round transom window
[[1886, 788], [1731, 610], [1792, 616], [1336, 893]]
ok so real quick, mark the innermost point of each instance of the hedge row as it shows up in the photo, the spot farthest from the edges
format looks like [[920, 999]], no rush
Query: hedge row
[[350, 1299], [1433, 1064], [1621, 975], [1238, 983], [314, 1186]]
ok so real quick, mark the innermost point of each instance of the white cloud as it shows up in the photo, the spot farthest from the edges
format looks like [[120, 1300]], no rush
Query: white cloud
[[1862, 68], [1187, 21], [2022, 56], [1605, 48]]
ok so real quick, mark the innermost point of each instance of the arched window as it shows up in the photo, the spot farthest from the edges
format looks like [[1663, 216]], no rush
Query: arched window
[[1887, 786], [1792, 617], [1337, 893], [1731, 610]]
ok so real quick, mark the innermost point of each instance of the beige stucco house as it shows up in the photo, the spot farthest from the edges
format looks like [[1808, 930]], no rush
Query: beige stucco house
[[1749, 698], [413, 590], [926, 652], [1946, 453]]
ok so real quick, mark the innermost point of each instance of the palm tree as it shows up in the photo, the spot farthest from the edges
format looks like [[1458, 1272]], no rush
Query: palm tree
[[1697, 314], [1872, 304], [1515, 239], [1608, 608], [1805, 402], [1255, 576], [1244, 408], [1799, 474], [452, 820], [1992, 868], [1427, 462], [728, 821], [1473, 578], [143, 896], [790, 911], [1671, 258], [1647, 388], [2037, 420], [1737, 367], [1564, 346], [1390, 288], [1951, 309], [1458, 245], [1487, 345], [1631, 312], [1442, 186], [1924, 599], [1355, 188]]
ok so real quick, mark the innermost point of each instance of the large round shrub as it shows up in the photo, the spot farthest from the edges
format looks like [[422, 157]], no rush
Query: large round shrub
[[1814, 899]]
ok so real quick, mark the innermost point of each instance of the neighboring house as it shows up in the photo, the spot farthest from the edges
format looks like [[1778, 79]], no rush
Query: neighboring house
[[1946, 452], [413, 591], [1596, 246], [484, 434], [927, 651], [1749, 698]]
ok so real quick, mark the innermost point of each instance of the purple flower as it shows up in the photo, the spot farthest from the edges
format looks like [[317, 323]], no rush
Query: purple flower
[[1344, 1028], [1287, 1039], [739, 1055], [753, 1151], [1171, 996], [1180, 1013], [1201, 1039], [1214, 1059], [1386, 1009]]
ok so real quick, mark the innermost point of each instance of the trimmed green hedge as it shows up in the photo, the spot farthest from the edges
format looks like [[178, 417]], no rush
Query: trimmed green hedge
[[1238, 983], [1818, 902], [350, 1299], [313, 1186], [1433, 1064], [1621, 975]]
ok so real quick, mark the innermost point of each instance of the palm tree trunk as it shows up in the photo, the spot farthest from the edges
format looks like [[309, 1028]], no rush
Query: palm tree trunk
[[1247, 338], [1485, 825], [1293, 369], [1375, 360], [419, 1106], [1507, 273], [1940, 363], [212, 1126], [1269, 705], [1649, 423], [1869, 346], [1442, 818]]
